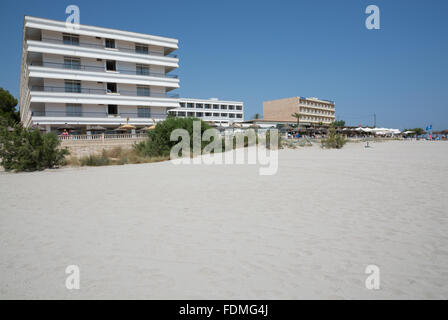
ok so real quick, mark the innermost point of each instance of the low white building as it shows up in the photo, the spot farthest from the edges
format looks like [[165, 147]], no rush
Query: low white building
[[213, 110]]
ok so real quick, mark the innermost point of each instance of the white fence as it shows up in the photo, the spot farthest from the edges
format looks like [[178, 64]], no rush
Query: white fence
[[84, 137]]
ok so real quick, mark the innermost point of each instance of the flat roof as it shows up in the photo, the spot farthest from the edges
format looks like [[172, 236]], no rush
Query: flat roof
[[60, 26], [211, 101]]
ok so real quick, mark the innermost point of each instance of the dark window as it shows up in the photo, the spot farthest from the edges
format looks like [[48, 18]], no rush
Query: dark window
[[72, 63], [72, 86], [70, 39], [182, 104], [111, 65], [73, 110], [110, 43], [190, 105], [207, 106], [144, 112], [142, 69], [142, 91], [239, 115], [112, 109], [111, 88], [215, 106], [141, 48]]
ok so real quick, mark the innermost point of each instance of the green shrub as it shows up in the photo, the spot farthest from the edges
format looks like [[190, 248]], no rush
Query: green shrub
[[334, 140], [159, 144], [28, 150]]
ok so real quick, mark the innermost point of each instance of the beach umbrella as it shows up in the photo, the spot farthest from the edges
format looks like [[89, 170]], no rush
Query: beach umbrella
[[66, 127], [151, 127], [126, 126]]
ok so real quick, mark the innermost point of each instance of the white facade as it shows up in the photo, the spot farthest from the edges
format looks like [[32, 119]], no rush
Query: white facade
[[218, 111], [94, 76]]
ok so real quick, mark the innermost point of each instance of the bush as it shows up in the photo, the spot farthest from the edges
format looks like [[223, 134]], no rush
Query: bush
[[159, 144], [334, 140], [94, 160], [28, 150]]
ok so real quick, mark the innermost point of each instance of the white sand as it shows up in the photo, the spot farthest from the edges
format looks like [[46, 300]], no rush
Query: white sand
[[186, 232]]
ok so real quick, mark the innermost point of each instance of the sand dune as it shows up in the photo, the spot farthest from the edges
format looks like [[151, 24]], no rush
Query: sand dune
[[185, 232]]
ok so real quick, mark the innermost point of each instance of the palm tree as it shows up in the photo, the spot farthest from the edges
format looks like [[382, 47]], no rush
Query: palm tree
[[297, 116], [256, 116]]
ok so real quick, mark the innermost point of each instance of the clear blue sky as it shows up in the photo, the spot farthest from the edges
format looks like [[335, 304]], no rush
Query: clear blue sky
[[262, 50]]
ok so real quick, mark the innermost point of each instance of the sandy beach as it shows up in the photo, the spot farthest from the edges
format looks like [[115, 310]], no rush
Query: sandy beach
[[161, 231]]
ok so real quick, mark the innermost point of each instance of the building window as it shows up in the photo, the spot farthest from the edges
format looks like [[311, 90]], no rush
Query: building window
[[111, 88], [190, 114], [141, 48], [215, 106], [223, 107], [223, 114], [143, 91], [199, 114], [239, 116], [181, 113], [208, 114], [73, 110], [239, 108], [142, 69], [70, 39], [182, 104], [190, 105], [216, 114], [231, 115], [110, 43], [72, 86], [72, 63], [144, 112], [199, 105], [111, 65], [207, 106], [112, 109], [231, 107]]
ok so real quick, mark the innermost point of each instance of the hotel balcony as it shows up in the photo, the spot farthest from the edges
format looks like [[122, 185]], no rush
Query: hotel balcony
[[52, 70], [51, 94], [53, 46], [50, 117]]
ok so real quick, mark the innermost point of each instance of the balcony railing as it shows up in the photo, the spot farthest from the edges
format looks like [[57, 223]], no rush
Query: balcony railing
[[74, 66], [98, 46], [92, 114], [81, 90]]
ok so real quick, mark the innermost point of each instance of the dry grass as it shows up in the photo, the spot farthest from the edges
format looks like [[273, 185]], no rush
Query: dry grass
[[115, 156]]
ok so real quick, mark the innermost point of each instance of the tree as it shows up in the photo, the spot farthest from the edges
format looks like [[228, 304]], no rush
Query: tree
[[8, 107], [256, 116], [24, 149], [297, 116], [339, 123]]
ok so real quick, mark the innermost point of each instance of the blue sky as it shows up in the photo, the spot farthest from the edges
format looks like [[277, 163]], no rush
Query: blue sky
[[262, 50]]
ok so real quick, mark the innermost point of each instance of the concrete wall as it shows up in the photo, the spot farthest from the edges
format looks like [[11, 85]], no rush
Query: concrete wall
[[82, 148]]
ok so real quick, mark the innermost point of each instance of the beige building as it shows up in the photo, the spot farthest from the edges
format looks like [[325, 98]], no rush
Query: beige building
[[311, 110]]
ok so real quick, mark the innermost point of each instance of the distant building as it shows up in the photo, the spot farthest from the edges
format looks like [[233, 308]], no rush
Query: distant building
[[311, 110], [218, 111]]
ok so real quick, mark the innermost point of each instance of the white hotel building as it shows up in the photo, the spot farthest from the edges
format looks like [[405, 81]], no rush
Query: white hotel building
[[94, 76], [212, 110]]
